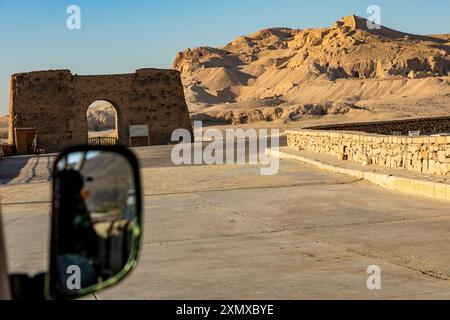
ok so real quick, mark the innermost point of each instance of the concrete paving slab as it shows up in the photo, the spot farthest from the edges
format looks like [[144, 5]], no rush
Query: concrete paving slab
[[268, 266], [399, 180], [192, 218], [27, 240], [228, 232], [326, 205]]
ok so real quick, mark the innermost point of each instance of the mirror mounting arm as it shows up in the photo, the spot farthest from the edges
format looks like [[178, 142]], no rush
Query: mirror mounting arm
[[24, 287]]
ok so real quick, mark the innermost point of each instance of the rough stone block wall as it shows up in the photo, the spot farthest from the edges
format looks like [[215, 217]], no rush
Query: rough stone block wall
[[56, 102], [424, 154], [429, 125]]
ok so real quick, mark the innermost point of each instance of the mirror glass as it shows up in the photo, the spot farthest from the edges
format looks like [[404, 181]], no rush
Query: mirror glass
[[96, 224]]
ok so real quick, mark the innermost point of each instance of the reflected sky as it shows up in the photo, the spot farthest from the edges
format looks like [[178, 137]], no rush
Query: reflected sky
[[73, 160]]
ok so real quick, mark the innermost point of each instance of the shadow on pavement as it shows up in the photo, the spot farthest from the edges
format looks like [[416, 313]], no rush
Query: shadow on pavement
[[10, 168]]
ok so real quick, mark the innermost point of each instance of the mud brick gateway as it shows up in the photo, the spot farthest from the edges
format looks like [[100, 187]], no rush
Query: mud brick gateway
[[55, 103]]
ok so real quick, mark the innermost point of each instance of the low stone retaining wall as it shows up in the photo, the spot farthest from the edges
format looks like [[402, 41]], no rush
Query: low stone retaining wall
[[429, 125], [425, 154]]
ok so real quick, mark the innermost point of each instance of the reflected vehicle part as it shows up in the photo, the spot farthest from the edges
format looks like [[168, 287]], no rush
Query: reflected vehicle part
[[96, 221]]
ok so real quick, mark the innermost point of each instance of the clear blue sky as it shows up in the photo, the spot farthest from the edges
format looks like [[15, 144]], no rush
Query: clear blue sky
[[121, 36]]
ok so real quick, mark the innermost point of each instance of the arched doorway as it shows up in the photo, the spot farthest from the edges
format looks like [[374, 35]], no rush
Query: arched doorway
[[102, 123]]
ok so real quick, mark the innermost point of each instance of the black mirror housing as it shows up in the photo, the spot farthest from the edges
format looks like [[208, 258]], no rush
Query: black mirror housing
[[96, 220]]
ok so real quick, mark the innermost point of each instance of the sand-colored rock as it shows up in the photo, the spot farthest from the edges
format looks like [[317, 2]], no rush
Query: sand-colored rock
[[347, 62], [101, 117]]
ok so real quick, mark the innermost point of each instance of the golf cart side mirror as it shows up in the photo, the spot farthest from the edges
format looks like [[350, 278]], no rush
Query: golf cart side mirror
[[96, 220]]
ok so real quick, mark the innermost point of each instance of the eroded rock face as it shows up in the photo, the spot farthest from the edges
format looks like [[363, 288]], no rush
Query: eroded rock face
[[348, 49], [101, 117], [287, 63], [286, 114]]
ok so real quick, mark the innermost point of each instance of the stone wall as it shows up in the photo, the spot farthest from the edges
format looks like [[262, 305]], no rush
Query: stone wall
[[430, 125], [425, 154], [56, 102]]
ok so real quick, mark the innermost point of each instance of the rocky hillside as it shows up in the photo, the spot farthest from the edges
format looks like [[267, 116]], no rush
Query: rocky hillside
[[101, 117], [289, 74]]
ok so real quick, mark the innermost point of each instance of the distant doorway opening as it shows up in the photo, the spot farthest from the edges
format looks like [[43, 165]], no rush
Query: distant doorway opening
[[102, 123]]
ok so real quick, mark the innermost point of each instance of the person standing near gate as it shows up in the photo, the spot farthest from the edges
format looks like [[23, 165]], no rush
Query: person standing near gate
[[36, 145]]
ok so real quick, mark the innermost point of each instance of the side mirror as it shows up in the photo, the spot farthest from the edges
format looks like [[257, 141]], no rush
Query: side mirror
[[96, 220]]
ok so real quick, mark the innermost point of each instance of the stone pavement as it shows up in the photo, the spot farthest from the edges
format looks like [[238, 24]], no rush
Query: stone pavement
[[227, 232], [395, 179]]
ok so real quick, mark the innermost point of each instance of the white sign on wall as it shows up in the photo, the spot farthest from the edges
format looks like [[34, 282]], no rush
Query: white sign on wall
[[139, 131], [414, 133]]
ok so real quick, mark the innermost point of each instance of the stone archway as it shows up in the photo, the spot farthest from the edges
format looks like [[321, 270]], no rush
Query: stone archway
[[55, 104]]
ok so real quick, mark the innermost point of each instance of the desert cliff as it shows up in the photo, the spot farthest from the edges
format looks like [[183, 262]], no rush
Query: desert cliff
[[347, 69]]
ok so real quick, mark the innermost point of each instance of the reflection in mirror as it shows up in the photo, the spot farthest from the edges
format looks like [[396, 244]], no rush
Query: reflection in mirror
[[96, 227]]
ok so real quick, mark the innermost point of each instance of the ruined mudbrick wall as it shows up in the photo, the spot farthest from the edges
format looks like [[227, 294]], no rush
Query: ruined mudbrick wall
[[55, 102]]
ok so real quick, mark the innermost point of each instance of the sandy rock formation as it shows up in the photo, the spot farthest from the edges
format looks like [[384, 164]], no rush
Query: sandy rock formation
[[285, 114], [101, 117], [347, 62]]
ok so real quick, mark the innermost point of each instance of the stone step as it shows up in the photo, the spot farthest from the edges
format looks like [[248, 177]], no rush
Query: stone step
[[391, 179]]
